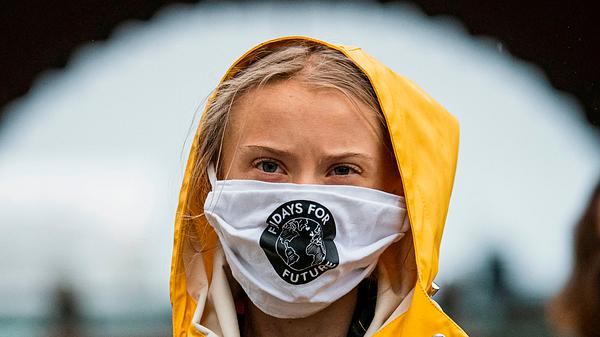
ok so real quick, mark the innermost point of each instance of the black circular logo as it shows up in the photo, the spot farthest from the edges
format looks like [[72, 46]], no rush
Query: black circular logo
[[298, 241]]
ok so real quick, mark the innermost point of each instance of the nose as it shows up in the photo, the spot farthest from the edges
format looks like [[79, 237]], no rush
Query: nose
[[310, 177]]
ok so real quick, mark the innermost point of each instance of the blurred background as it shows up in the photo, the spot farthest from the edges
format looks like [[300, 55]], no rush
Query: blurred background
[[100, 100]]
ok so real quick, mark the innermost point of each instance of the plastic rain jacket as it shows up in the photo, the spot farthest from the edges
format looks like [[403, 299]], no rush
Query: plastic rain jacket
[[424, 138]]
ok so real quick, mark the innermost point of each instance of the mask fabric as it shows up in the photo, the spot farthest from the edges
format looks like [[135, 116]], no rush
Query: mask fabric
[[296, 248]]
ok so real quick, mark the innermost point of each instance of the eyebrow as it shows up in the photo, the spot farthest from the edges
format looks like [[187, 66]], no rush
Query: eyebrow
[[328, 157], [347, 155], [268, 150]]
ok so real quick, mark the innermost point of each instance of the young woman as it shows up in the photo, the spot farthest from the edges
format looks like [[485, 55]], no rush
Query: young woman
[[314, 200]]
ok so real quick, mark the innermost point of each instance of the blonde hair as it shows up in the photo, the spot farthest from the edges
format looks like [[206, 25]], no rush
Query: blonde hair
[[313, 64]]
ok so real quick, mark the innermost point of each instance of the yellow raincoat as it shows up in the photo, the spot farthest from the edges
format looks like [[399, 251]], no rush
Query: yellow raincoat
[[424, 137]]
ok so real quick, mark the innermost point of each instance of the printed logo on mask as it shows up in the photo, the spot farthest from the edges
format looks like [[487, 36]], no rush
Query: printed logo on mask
[[298, 241]]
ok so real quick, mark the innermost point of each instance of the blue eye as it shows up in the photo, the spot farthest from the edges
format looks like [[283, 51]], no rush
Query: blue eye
[[268, 166], [342, 170]]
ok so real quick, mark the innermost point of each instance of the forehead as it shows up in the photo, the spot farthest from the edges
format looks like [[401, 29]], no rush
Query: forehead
[[290, 111]]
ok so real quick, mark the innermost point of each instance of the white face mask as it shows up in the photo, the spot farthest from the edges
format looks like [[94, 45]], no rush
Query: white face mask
[[296, 248]]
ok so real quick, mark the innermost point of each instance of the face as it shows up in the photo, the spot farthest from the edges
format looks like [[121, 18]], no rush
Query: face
[[288, 132]]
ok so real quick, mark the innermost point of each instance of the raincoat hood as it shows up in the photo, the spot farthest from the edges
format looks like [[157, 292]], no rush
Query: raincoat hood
[[424, 137]]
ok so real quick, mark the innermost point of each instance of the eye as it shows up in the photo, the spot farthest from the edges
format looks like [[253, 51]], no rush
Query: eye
[[268, 166], [344, 170]]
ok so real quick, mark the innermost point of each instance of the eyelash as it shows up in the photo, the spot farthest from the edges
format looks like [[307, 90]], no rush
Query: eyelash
[[259, 161], [353, 168]]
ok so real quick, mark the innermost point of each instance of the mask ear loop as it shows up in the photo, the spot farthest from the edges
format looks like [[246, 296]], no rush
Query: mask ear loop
[[405, 227], [212, 175], [212, 179]]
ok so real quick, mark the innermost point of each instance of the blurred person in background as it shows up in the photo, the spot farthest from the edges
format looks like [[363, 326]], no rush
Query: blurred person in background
[[314, 200], [67, 322], [576, 310]]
